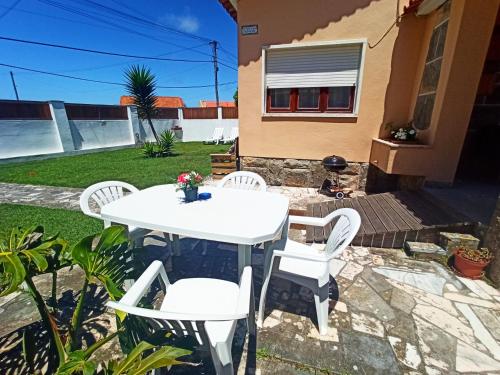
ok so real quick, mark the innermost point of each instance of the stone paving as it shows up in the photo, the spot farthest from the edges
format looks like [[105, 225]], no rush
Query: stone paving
[[68, 198], [390, 314]]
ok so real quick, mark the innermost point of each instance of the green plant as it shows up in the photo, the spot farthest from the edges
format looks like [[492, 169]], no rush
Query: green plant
[[26, 253], [141, 85], [164, 147], [235, 97], [475, 255], [166, 143]]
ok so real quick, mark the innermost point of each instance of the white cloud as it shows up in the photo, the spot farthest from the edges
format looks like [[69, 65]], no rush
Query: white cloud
[[182, 22]]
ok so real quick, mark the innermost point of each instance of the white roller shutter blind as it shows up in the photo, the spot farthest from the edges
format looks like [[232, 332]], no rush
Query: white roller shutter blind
[[325, 66]]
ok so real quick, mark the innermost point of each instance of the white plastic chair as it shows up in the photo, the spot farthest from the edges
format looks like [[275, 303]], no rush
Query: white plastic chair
[[106, 192], [206, 309], [243, 180], [217, 136], [232, 136], [307, 266]]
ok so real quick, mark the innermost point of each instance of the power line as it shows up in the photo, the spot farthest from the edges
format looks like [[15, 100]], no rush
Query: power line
[[10, 8], [107, 53], [107, 82], [100, 52]]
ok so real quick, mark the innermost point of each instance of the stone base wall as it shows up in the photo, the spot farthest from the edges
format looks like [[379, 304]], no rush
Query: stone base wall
[[303, 173]]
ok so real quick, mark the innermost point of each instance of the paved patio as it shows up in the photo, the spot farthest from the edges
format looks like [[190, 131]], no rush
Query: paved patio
[[393, 315]]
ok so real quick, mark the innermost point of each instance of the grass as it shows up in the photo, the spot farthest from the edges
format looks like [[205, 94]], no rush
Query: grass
[[71, 225], [127, 165]]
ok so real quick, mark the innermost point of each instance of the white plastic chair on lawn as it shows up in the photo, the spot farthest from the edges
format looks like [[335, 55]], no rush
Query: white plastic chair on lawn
[[307, 266], [232, 136], [243, 180], [217, 136], [206, 309], [106, 192]]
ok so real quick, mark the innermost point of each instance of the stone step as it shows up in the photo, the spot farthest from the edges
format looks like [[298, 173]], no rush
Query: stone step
[[449, 241], [423, 248]]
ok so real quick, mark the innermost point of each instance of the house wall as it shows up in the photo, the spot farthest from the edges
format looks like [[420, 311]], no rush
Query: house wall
[[469, 31], [391, 78]]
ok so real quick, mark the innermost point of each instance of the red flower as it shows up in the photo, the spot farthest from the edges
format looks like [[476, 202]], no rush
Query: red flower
[[182, 178]]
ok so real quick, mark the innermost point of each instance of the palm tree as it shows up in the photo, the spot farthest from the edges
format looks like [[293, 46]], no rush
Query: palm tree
[[141, 85]]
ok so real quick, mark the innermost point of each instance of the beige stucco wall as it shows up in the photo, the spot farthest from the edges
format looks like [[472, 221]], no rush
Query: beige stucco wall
[[391, 77], [386, 88]]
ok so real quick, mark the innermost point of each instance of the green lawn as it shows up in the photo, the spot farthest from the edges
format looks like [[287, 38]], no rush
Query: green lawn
[[71, 225], [127, 165]]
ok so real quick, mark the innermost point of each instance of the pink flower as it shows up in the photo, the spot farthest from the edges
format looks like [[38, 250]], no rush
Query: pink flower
[[182, 178]]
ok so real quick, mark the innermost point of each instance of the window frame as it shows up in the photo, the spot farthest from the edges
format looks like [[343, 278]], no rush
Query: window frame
[[355, 97], [279, 109], [308, 109]]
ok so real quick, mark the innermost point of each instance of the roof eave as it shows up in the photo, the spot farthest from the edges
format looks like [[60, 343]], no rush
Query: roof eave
[[231, 7]]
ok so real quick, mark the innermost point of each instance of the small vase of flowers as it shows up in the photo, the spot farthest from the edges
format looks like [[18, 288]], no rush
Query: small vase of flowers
[[403, 133], [188, 183]]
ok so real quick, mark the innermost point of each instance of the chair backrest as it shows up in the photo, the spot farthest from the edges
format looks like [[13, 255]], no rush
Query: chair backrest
[[103, 193], [344, 231], [180, 324], [218, 134], [234, 133], [243, 180]]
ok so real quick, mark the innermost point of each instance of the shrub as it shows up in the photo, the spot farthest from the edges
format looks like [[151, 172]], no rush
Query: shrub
[[164, 147]]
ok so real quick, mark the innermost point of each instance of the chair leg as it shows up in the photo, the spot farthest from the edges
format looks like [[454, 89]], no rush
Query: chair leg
[[223, 366], [321, 302], [267, 276]]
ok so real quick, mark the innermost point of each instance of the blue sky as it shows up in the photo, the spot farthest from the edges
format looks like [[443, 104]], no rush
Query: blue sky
[[45, 21]]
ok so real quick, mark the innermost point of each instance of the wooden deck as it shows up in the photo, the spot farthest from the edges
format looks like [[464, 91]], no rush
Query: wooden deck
[[390, 219]]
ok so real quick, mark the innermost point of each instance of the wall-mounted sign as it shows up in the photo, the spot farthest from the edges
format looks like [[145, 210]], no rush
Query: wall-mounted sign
[[249, 29]]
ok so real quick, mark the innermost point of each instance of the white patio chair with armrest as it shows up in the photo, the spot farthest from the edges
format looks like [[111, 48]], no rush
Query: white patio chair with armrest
[[106, 192], [243, 180], [217, 136], [232, 136], [307, 266], [206, 309]]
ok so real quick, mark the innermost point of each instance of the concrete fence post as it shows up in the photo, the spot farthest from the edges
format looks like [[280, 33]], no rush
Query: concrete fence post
[[135, 126], [219, 113], [60, 118], [180, 115]]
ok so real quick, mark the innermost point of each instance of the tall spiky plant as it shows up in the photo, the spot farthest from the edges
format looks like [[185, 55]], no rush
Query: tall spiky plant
[[141, 85]]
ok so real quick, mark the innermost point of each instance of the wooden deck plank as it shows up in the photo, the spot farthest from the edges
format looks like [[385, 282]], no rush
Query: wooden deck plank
[[309, 229], [324, 212], [420, 209], [365, 222], [402, 211], [396, 219], [391, 228], [319, 233]]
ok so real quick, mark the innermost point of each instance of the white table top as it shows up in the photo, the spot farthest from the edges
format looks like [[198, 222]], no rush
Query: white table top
[[231, 215]]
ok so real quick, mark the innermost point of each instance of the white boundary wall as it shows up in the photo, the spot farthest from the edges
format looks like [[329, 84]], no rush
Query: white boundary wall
[[25, 138]]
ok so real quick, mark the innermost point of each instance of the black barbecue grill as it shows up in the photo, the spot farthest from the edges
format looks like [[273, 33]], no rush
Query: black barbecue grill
[[334, 164]]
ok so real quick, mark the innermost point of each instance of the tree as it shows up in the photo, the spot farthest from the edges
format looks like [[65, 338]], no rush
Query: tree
[[141, 85], [235, 97]]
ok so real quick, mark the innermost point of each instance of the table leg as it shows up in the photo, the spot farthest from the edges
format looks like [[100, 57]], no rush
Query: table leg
[[176, 245], [244, 257]]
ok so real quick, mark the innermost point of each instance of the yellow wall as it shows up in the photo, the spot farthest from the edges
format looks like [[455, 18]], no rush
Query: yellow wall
[[391, 78], [386, 89]]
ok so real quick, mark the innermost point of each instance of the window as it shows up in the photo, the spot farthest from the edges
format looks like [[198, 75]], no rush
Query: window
[[308, 98], [313, 99], [315, 79], [280, 99]]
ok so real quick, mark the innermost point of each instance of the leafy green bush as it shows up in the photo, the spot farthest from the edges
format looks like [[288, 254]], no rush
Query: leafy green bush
[[164, 147]]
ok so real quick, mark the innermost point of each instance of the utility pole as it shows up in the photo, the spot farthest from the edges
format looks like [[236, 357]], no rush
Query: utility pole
[[14, 84], [213, 43]]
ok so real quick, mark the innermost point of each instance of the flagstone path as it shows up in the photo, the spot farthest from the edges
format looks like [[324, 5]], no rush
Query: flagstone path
[[390, 314]]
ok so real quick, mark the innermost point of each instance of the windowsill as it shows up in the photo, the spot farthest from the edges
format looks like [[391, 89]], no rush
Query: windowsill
[[401, 145], [310, 114]]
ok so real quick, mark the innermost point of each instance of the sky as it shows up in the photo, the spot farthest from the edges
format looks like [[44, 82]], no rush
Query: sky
[[86, 24]]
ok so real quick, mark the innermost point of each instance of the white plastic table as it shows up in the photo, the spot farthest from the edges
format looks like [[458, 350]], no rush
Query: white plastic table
[[240, 217]]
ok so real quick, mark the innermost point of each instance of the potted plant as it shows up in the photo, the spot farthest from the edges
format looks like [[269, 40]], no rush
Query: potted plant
[[402, 134], [472, 262], [188, 183]]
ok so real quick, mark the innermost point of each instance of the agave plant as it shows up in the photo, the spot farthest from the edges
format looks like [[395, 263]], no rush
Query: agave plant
[[164, 147], [141, 85]]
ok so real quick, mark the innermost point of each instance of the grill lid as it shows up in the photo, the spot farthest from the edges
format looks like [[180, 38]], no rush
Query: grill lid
[[334, 163]]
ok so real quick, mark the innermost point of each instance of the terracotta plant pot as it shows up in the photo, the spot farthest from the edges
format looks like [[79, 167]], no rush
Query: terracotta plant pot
[[469, 268]]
